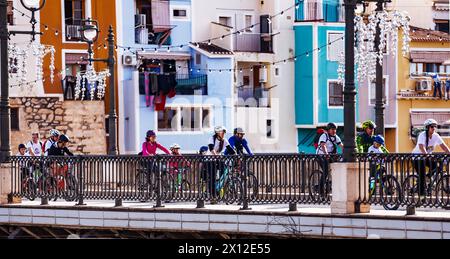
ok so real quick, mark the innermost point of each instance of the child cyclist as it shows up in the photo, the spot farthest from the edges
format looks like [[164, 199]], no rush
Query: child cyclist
[[376, 162]]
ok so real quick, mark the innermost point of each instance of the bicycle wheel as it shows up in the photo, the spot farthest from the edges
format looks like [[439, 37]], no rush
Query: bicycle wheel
[[48, 188], [318, 187], [143, 186], [29, 189], [443, 191], [252, 186], [185, 187], [168, 187], [71, 188], [390, 192], [232, 191], [410, 188]]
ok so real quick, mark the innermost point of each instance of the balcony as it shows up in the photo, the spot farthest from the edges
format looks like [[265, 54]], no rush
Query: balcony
[[423, 87], [73, 33], [317, 11], [187, 84], [256, 40]]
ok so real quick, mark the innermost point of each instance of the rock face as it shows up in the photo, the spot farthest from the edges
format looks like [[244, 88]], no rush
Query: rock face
[[82, 121]]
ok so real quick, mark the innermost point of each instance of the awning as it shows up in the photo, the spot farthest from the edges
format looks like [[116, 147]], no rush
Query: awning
[[75, 58], [165, 56], [430, 56], [418, 118]]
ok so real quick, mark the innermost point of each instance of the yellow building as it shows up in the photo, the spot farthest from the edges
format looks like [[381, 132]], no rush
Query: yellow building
[[430, 53]]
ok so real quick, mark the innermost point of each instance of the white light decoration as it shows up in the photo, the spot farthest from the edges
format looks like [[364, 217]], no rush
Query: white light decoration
[[20, 56], [366, 57], [31, 4], [97, 81], [341, 68]]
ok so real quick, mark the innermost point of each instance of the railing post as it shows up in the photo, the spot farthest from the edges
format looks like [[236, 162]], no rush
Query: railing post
[[292, 207], [244, 183], [158, 185], [6, 182], [81, 181]]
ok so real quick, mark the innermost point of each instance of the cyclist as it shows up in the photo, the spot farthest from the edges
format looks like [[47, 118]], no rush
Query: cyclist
[[238, 143], [328, 143], [54, 136], [375, 165], [34, 146], [203, 151], [426, 143], [218, 143], [150, 146], [60, 148], [22, 151], [365, 139]]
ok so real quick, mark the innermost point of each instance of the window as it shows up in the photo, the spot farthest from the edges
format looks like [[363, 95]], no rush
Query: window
[[431, 68], [167, 120], [10, 13], [74, 13], [225, 21], [269, 129], [178, 13], [198, 59], [277, 71], [335, 94], [246, 80], [191, 119], [15, 119], [248, 23], [336, 45], [442, 25], [372, 94]]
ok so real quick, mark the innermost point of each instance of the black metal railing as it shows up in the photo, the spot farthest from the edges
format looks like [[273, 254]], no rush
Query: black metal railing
[[186, 84], [405, 180], [392, 181], [190, 178]]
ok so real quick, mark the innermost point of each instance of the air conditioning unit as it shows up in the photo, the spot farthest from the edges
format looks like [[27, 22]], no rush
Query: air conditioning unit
[[140, 20], [129, 59], [142, 36], [423, 85], [263, 75]]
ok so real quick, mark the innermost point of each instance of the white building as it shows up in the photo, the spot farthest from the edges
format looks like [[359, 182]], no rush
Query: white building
[[263, 91]]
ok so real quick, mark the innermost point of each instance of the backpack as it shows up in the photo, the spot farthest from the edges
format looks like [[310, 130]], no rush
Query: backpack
[[40, 144], [43, 146], [319, 133], [330, 139]]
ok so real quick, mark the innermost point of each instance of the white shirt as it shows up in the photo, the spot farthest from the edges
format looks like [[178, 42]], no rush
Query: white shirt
[[435, 140], [26, 154], [36, 147], [217, 144], [374, 150], [330, 143]]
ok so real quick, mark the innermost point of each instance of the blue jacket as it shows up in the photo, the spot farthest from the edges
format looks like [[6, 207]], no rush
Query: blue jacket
[[239, 145]]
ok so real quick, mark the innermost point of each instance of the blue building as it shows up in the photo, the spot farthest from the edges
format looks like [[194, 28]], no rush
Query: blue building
[[203, 96], [318, 94]]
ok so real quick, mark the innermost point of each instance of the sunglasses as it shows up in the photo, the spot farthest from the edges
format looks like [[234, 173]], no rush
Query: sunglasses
[[433, 126]]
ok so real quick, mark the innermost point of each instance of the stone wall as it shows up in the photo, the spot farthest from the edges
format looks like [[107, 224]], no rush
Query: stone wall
[[82, 121]]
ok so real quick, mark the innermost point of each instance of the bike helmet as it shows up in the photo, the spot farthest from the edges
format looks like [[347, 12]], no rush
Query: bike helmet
[[203, 150], [219, 129], [369, 125], [239, 131], [64, 138], [430, 122], [331, 125], [54, 133], [175, 146], [22, 146], [379, 139], [150, 133]]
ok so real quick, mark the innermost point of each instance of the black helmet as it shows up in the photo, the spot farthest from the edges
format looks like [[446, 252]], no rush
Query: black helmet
[[239, 131], [331, 125], [64, 138], [22, 146]]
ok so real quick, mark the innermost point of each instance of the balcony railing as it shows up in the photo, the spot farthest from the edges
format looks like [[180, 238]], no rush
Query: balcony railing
[[247, 42], [187, 84], [317, 11], [251, 97], [73, 32]]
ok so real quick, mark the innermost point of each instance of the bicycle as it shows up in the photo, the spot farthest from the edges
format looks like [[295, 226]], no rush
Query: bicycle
[[228, 186], [386, 187], [320, 184], [66, 181], [252, 180], [432, 181], [177, 180]]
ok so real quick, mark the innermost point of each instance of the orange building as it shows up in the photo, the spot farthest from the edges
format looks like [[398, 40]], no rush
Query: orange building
[[60, 22]]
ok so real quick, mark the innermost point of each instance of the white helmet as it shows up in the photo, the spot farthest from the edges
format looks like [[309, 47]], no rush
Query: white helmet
[[219, 129], [430, 122], [54, 133], [175, 146]]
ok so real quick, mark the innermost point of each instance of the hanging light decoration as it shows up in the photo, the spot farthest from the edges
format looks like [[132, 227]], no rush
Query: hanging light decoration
[[96, 81], [366, 57]]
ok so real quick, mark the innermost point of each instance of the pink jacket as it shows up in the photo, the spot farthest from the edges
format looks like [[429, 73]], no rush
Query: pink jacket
[[149, 149]]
